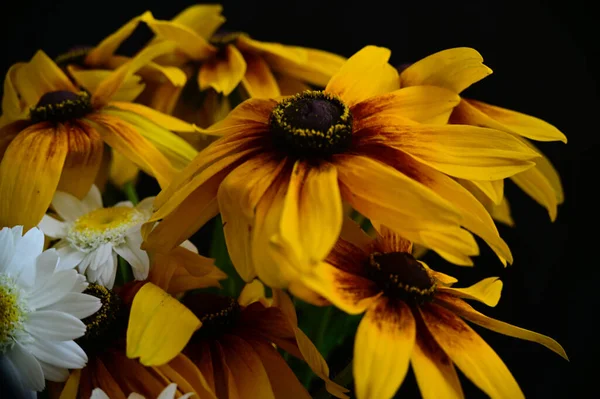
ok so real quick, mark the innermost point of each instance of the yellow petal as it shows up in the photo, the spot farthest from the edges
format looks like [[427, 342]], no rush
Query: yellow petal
[[352, 232], [455, 69], [189, 42], [40, 76], [161, 119], [13, 106], [238, 197], [252, 292], [259, 80], [159, 326], [435, 373], [223, 73], [487, 291], [83, 160], [289, 86], [471, 112], [190, 373], [272, 50], [467, 152], [111, 84], [492, 189], [366, 74], [382, 348], [470, 353], [124, 138], [426, 104], [162, 97], [29, 174], [177, 150], [317, 68], [100, 54], [501, 213], [467, 312], [204, 19], [131, 87], [71, 387], [122, 170]]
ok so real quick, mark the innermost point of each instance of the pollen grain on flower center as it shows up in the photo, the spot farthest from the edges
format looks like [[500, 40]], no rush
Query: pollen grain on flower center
[[102, 326], [102, 226], [12, 311], [217, 313], [61, 106], [312, 124]]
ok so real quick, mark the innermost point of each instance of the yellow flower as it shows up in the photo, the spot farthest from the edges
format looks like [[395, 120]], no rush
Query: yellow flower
[[281, 170], [53, 136], [228, 60], [457, 69], [232, 341], [110, 369], [413, 316]]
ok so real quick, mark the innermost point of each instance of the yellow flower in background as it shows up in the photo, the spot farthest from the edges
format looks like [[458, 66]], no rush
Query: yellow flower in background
[[457, 69], [232, 341], [54, 134], [413, 316], [228, 60], [281, 170]]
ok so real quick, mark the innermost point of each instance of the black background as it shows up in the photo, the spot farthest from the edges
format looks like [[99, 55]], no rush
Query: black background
[[545, 62]]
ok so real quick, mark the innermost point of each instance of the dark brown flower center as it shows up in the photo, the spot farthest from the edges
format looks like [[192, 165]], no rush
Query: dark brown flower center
[[217, 313], [311, 124], [103, 326], [61, 106], [75, 55], [400, 275]]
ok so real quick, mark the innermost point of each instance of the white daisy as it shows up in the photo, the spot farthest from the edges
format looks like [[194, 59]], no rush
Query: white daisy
[[167, 393], [92, 236], [40, 310]]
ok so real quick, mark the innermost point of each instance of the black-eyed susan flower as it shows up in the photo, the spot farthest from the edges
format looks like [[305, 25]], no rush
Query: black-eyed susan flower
[[413, 316], [54, 136], [457, 69], [281, 170], [231, 343], [224, 61], [41, 308], [109, 368]]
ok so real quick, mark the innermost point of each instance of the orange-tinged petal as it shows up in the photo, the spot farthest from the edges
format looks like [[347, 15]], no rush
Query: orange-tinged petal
[[71, 387], [467, 312], [13, 106], [161, 119], [472, 112], [40, 76], [159, 326], [487, 291], [189, 42], [258, 80], [204, 19], [189, 371], [29, 173], [435, 373], [9, 132], [470, 353], [129, 90], [455, 69], [366, 74], [425, 104], [223, 73], [317, 68], [100, 54], [352, 232], [382, 348], [238, 197], [389, 241], [123, 137]]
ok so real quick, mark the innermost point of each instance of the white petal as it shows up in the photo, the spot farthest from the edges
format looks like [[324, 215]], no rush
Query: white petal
[[69, 256], [62, 354], [93, 199], [27, 248], [127, 204], [145, 205], [28, 367], [104, 274], [76, 304], [135, 395], [187, 244], [11, 381], [68, 207], [45, 266], [53, 228], [53, 373], [98, 393], [54, 326], [168, 392], [85, 263], [7, 248], [56, 287], [136, 257]]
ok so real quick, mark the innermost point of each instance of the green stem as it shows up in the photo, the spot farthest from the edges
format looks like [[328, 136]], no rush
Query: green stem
[[343, 378], [130, 193], [323, 328], [125, 271]]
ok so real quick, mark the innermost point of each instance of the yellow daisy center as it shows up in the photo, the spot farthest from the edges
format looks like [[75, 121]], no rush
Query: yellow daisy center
[[312, 124], [400, 275], [102, 326], [12, 311], [217, 313], [61, 106], [103, 226]]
